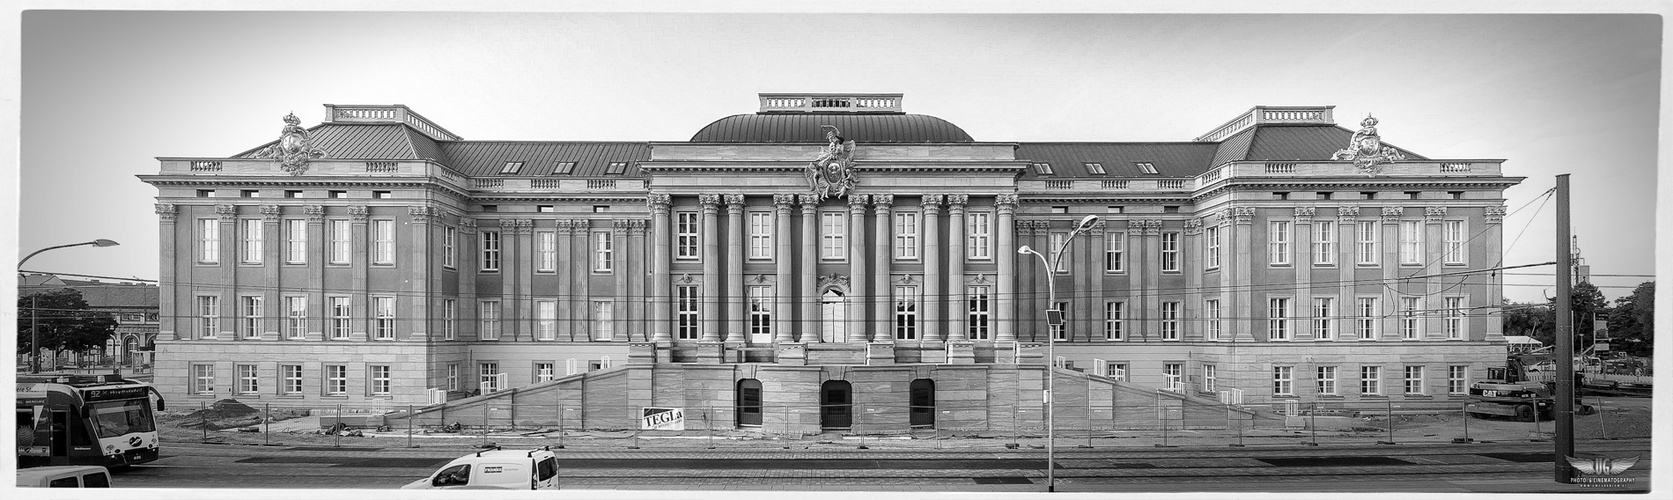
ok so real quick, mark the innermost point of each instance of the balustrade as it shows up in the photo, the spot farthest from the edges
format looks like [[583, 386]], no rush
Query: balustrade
[[206, 166], [382, 167]]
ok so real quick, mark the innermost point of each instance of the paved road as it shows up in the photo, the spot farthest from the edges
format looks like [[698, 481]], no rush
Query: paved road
[[1496, 467]]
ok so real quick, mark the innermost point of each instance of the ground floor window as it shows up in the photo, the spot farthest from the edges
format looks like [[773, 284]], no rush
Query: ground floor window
[[1327, 380], [248, 383], [336, 380], [1283, 381], [292, 379], [1208, 378], [489, 380], [1370, 380], [1458, 379], [380, 380], [203, 379], [1171, 373], [544, 372], [1414, 380]]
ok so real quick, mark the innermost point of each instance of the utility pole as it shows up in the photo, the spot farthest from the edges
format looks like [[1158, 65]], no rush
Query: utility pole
[[1565, 340]]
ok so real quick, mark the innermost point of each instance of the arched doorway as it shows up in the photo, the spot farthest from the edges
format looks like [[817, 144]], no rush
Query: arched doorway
[[834, 316], [749, 403], [130, 350], [923, 403], [836, 405]]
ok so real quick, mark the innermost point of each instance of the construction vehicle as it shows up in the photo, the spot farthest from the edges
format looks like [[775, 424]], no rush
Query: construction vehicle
[[1524, 392]]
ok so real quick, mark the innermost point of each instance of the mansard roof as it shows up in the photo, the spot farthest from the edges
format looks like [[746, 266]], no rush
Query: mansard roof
[[398, 141], [805, 127]]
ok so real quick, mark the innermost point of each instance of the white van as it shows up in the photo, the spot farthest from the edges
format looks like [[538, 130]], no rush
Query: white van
[[535, 469], [64, 476]]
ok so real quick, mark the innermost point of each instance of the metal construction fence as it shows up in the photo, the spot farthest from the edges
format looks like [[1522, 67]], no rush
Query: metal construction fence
[[1162, 423]]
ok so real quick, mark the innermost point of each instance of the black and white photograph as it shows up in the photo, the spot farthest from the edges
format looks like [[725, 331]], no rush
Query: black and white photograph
[[740, 249]]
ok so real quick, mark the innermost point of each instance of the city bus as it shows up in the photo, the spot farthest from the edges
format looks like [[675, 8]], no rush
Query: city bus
[[85, 420]]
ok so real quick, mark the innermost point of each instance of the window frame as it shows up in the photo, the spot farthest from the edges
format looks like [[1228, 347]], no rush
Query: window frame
[[1409, 382], [1278, 240], [546, 319], [546, 251], [383, 242], [1371, 380], [208, 316], [252, 235], [978, 236], [296, 319], [290, 380], [1283, 380], [296, 241], [761, 235], [688, 236], [1324, 318], [1211, 247], [203, 379], [1114, 317], [688, 320], [379, 384], [1168, 314], [906, 312], [336, 380], [339, 242], [906, 235], [1173, 376], [383, 317], [209, 241], [1366, 244], [1170, 241], [1211, 319], [488, 319], [1326, 380], [833, 236], [979, 308], [1411, 243], [339, 316], [449, 245], [1368, 314], [252, 309], [249, 379], [1411, 324], [1453, 319], [604, 250], [760, 309], [1457, 380], [1278, 319], [449, 319], [1115, 252], [489, 251], [1453, 241], [1324, 243]]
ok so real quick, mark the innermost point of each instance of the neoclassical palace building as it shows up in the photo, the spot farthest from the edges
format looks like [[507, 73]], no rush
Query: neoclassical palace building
[[828, 249]]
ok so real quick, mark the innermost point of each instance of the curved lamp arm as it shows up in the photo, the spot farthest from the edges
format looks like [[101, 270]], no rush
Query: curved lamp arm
[[98, 243]]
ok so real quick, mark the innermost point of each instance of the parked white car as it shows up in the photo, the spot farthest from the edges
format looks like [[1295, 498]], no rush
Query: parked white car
[[64, 476], [535, 469]]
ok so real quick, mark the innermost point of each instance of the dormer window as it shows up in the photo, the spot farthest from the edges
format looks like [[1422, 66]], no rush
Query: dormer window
[[511, 168], [1043, 168], [615, 168], [563, 167], [1146, 167], [1096, 168]]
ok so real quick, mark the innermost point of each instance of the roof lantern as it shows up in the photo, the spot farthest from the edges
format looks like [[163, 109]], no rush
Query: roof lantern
[[830, 103], [387, 113], [1271, 115]]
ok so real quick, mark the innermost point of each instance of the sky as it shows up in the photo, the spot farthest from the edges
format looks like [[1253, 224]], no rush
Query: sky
[[105, 93]]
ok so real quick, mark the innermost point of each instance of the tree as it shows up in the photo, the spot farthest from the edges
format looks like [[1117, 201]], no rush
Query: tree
[[1528, 320], [1585, 302], [64, 321], [1632, 321]]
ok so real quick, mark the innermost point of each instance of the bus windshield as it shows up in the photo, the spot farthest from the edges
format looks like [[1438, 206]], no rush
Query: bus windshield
[[115, 418]]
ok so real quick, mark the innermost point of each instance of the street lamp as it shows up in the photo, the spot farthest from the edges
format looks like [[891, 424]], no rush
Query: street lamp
[[35, 299], [1054, 317]]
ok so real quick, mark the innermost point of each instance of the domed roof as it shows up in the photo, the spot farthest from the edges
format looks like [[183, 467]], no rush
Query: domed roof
[[805, 127]]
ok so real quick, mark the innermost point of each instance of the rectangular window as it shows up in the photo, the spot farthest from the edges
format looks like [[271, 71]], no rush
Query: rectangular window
[[1366, 244], [488, 320], [341, 241], [1409, 318], [546, 251], [1042, 168], [490, 251], [252, 240], [1283, 381], [1115, 245], [293, 193], [1146, 167], [453, 377], [1327, 380], [1458, 380], [449, 318], [1278, 243], [760, 310], [1324, 243], [1058, 251], [203, 379], [248, 382], [249, 193], [1414, 380], [906, 312], [1095, 168], [546, 319], [1453, 324], [209, 241], [1366, 321], [1324, 318], [906, 236], [383, 311], [1171, 373], [1211, 318], [296, 317], [1278, 319], [253, 315], [383, 242], [449, 239], [296, 241], [1208, 378], [685, 313], [615, 168], [1211, 247], [339, 317], [511, 167], [1411, 242], [1061, 332], [833, 236], [545, 372], [1170, 321], [563, 167], [760, 235], [292, 379], [977, 298], [488, 376], [1371, 380], [980, 235], [380, 380], [1170, 251], [1452, 235], [1112, 320], [685, 236], [336, 380], [603, 250], [604, 328], [1118, 371], [209, 316]]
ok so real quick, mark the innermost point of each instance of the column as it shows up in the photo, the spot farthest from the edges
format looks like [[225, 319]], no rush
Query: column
[[168, 285], [711, 267], [635, 278], [1091, 264], [934, 302], [736, 301], [581, 278], [956, 308], [1432, 256], [1301, 255], [883, 250], [1006, 315], [228, 267], [469, 264], [857, 298], [520, 281], [1241, 243], [783, 323], [420, 260], [359, 300], [809, 324], [567, 327], [661, 254], [273, 241], [618, 267]]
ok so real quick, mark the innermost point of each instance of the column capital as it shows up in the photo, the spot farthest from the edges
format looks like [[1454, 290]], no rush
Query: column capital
[[522, 226], [957, 200], [1434, 215], [932, 202], [1304, 214], [638, 227], [1097, 228], [465, 222], [734, 202], [1495, 215], [710, 203], [883, 201], [565, 226], [810, 202], [1347, 213], [316, 213], [270, 212], [1006, 203], [1192, 225], [165, 211], [784, 201], [1392, 215], [1147, 227], [658, 202], [359, 212], [227, 212], [857, 203], [622, 227], [423, 214]]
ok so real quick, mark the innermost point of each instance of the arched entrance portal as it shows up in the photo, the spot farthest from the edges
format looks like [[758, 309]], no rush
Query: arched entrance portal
[[749, 403], [130, 350], [923, 403], [834, 316], [836, 405]]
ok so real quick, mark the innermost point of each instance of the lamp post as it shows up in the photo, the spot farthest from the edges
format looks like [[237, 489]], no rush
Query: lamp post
[[1054, 317], [35, 299]]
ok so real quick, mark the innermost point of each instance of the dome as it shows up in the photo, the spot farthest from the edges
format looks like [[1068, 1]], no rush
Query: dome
[[805, 127]]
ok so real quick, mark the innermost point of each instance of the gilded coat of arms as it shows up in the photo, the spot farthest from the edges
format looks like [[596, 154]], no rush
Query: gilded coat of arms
[[832, 174], [1366, 148], [294, 148]]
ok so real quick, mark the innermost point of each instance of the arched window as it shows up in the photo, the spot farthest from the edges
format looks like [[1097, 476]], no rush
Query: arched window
[[836, 405], [923, 403], [749, 403]]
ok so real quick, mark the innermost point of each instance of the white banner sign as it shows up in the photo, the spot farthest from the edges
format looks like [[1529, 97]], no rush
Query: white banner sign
[[662, 419]]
